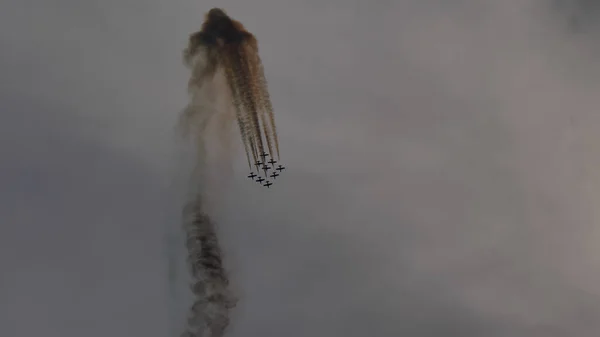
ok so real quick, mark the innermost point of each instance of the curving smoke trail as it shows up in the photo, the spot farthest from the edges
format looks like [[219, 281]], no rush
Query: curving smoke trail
[[227, 84]]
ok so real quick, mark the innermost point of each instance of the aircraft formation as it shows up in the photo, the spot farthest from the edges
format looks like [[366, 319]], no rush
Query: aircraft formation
[[226, 44], [262, 165]]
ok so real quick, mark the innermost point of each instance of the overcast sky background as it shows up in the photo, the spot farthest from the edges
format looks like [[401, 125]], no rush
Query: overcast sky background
[[442, 169]]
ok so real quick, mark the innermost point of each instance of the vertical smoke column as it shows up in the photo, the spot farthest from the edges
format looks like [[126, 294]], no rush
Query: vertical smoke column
[[221, 51], [212, 299], [209, 314]]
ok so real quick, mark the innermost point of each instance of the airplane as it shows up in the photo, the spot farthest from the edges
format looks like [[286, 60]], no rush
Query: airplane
[[260, 180], [258, 163], [272, 162], [267, 184], [264, 155], [265, 169], [274, 175], [280, 168], [252, 175]]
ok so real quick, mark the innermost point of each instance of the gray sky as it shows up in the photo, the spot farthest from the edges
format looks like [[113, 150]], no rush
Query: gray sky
[[442, 169]]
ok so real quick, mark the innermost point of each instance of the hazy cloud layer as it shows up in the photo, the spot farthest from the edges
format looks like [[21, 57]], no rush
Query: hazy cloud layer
[[442, 164]]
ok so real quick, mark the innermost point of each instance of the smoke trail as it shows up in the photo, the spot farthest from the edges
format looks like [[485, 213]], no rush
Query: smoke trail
[[256, 94], [228, 46], [248, 97], [209, 314], [203, 117], [235, 84], [266, 99], [261, 92], [235, 61]]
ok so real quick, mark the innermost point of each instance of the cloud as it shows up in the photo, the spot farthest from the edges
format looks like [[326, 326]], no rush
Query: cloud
[[80, 250], [442, 168]]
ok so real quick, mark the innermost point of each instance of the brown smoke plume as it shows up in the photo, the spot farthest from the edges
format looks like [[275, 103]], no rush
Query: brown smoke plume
[[224, 43], [227, 83]]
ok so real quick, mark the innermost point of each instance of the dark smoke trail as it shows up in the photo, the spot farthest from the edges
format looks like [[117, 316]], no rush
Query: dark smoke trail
[[248, 98], [224, 43], [261, 93], [209, 314], [266, 101], [235, 86]]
